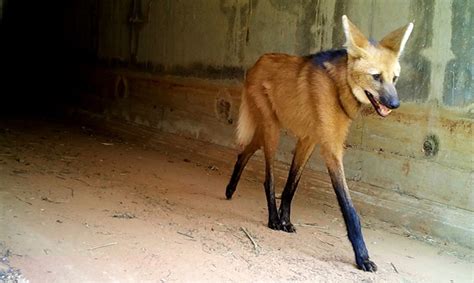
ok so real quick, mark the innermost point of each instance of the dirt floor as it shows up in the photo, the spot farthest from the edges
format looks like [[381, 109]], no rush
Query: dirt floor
[[79, 206]]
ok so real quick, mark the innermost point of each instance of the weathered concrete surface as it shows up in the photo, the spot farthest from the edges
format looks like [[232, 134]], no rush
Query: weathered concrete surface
[[418, 162]]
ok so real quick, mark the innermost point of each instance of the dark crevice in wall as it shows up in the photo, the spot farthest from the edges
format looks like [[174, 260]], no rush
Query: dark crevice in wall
[[458, 90], [245, 16], [306, 12], [304, 35], [321, 20], [237, 36], [232, 36], [340, 9], [414, 83]]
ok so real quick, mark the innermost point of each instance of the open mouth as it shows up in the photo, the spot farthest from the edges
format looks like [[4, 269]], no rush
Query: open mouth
[[381, 109]]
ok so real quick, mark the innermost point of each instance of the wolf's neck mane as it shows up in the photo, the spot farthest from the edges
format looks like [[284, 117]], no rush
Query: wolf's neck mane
[[334, 62]]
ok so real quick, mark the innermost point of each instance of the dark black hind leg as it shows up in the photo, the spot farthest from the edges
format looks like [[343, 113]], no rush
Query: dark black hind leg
[[270, 144], [303, 151], [242, 160]]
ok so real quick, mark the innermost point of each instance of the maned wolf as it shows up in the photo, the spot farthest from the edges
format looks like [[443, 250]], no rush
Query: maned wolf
[[316, 98]]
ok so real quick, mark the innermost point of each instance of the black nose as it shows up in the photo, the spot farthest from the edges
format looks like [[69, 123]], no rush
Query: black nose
[[389, 97], [391, 102], [394, 103]]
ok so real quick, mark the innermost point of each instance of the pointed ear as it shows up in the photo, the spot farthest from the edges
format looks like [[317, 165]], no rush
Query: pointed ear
[[356, 42], [397, 39]]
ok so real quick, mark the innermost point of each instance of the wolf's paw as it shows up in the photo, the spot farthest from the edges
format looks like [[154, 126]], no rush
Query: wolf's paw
[[367, 265], [274, 224], [229, 191], [288, 227]]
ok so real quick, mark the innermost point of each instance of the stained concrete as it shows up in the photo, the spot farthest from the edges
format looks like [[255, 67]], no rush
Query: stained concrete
[[459, 72], [177, 66]]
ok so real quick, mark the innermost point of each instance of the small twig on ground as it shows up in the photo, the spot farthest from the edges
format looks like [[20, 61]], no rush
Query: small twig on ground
[[72, 191], [311, 225], [18, 198], [103, 246], [255, 246], [70, 157], [163, 280], [394, 267], [213, 168], [52, 201], [124, 215], [329, 234], [82, 181], [184, 234], [327, 243]]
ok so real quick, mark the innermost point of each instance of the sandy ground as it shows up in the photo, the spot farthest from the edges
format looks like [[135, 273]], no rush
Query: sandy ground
[[80, 206]]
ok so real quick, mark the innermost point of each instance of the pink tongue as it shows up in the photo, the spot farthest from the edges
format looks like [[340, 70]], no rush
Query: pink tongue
[[384, 110]]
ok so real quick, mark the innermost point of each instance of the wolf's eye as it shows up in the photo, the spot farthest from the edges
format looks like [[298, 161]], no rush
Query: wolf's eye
[[395, 79], [377, 77]]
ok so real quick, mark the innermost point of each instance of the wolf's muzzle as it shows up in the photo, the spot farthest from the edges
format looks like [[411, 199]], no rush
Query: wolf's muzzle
[[389, 97]]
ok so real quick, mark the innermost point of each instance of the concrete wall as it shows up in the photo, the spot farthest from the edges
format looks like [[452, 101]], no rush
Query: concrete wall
[[177, 66]]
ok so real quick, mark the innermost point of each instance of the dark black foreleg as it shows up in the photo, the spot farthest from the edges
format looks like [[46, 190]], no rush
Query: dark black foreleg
[[354, 231]]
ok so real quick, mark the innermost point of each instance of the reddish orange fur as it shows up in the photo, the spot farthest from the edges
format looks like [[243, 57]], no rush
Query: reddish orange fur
[[316, 100], [290, 92]]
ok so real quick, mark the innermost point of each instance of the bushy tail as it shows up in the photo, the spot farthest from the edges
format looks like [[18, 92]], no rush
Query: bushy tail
[[246, 125]]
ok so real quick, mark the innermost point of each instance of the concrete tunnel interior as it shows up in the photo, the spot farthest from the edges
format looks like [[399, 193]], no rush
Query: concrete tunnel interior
[[117, 140]]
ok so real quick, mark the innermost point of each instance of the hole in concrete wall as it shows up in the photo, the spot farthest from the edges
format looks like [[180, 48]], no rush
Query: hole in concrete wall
[[121, 87], [223, 107], [223, 110], [431, 145]]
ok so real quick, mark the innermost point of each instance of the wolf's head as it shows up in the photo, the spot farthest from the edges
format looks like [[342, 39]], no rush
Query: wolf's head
[[373, 68]]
